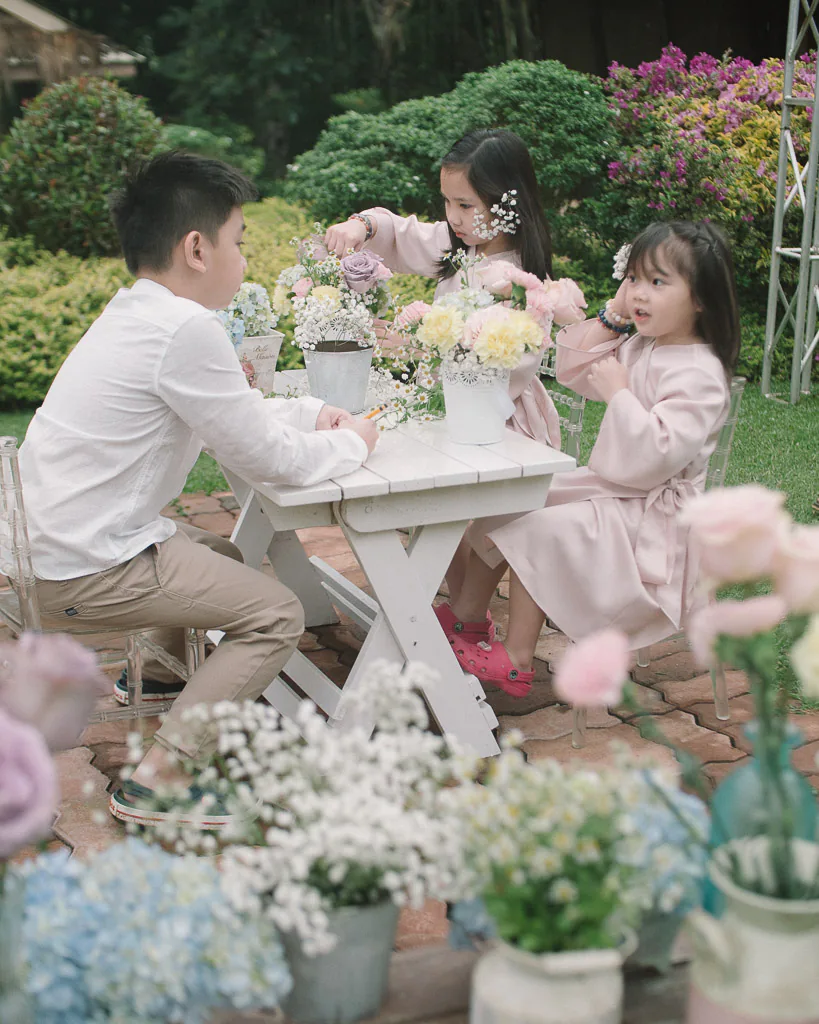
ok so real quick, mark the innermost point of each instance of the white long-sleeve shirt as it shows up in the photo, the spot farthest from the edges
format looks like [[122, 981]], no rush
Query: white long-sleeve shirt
[[153, 381]]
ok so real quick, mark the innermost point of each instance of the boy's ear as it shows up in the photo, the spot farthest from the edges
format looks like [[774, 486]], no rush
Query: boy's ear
[[193, 245]]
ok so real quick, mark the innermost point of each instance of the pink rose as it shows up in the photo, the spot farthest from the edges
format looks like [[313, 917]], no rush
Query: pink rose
[[592, 672], [412, 314], [739, 531], [383, 273], [796, 572], [568, 301], [302, 287], [28, 786], [518, 276], [51, 682], [494, 276], [732, 618]]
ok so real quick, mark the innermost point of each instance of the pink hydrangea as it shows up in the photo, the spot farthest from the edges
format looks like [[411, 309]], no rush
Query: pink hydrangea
[[593, 671]]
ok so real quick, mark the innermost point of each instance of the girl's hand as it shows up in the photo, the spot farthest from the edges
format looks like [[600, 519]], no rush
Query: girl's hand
[[349, 234], [608, 377], [619, 304]]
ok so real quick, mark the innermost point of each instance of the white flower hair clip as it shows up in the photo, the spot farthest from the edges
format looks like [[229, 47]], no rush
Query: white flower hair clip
[[506, 218], [621, 261]]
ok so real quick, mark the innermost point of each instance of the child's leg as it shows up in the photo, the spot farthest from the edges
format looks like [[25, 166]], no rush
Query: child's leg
[[525, 623], [456, 572], [183, 584], [479, 584]]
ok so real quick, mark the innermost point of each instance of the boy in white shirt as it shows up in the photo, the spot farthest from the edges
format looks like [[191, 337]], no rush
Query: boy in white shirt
[[152, 381]]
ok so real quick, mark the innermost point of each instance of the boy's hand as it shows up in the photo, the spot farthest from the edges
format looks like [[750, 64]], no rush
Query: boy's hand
[[608, 377], [365, 429], [330, 417]]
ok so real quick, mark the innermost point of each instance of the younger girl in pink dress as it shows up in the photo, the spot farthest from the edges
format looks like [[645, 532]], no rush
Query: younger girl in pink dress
[[608, 549]]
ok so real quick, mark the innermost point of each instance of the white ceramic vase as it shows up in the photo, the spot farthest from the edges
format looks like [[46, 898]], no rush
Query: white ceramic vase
[[258, 357], [340, 375], [759, 962], [477, 402], [510, 986]]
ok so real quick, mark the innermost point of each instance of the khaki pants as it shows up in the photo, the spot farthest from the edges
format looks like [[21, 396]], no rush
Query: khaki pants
[[192, 580]]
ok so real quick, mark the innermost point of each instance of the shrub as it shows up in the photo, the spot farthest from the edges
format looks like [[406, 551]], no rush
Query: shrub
[[233, 145], [65, 153], [393, 158]]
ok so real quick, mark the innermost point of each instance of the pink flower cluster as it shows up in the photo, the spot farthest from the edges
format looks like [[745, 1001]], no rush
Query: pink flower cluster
[[561, 302], [48, 685]]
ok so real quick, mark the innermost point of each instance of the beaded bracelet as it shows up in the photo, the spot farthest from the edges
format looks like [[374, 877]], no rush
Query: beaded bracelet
[[621, 320], [615, 328], [367, 221]]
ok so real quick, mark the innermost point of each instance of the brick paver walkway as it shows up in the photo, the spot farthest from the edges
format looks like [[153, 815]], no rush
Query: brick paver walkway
[[671, 687]]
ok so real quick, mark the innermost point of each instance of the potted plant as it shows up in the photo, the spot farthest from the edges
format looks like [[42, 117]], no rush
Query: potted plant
[[756, 961], [473, 338], [336, 302], [337, 831], [565, 874], [250, 321]]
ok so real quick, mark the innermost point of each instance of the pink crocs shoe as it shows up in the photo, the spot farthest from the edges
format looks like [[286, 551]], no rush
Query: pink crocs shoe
[[490, 663], [471, 631]]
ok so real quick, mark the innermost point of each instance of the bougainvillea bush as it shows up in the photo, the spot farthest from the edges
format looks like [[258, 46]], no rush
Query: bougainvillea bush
[[696, 138]]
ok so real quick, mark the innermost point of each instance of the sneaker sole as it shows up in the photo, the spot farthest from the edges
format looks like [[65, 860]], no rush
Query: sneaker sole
[[137, 816], [121, 696]]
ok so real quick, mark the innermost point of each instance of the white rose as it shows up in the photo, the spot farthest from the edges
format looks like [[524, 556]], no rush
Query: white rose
[[805, 659]]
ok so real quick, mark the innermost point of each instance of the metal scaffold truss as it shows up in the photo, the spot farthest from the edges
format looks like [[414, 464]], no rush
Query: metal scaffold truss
[[792, 307]]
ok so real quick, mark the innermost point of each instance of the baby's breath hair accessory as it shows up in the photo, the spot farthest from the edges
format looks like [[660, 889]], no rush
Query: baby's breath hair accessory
[[506, 218], [621, 261]]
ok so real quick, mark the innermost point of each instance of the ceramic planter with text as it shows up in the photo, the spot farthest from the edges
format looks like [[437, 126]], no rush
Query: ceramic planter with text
[[250, 321]]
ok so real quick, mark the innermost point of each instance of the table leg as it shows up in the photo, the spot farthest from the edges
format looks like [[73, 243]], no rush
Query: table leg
[[404, 583]]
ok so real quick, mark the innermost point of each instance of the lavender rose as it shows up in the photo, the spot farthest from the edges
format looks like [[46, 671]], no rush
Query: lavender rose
[[361, 270], [28, 786]]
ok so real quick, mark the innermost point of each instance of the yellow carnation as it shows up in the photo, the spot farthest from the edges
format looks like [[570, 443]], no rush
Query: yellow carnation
[[441, 329], [502, 342], [327, 291], [280, 301]]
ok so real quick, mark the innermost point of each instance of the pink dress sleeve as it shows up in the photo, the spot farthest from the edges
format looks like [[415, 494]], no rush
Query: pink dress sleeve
[[644, 448], [579, 347], [408, 245], [535, 414]]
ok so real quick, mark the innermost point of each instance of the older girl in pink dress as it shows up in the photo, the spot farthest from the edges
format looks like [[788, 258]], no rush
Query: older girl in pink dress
[[608, 549]]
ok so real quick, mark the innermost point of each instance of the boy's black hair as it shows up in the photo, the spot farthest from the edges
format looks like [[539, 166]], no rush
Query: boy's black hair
[[700, 252], [167, 197], [497, 161]]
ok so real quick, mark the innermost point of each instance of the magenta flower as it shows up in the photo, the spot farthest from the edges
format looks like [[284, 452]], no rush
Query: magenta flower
[[28, 786], [592, 673]]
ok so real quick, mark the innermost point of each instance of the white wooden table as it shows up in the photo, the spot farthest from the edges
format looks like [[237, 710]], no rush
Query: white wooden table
[[415, 478]]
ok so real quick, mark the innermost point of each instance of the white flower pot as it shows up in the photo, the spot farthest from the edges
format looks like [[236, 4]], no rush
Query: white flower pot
[[759, 962], [350, 981], [340, 377], [477, 402], [258, 357], [510, 986]]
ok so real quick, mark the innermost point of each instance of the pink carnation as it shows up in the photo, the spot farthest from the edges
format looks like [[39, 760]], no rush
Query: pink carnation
[[592, 672], [732, 618], [494, 276], [476, 321], [796, 571], [302, 287], [518, 276], [412, 314], [568, 301], [540, 305], [28, 786]]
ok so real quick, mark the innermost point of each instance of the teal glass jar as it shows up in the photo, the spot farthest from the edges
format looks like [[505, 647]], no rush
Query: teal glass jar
[[739, 807]]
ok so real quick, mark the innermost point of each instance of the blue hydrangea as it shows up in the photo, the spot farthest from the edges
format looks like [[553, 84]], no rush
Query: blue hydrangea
[[138, 936]]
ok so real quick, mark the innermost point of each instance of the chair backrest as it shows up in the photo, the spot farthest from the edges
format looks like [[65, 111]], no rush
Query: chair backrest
[[15, 549], [718, 463], [569, 408]]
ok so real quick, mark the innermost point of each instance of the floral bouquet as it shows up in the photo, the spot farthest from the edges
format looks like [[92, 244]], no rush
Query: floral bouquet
[[335, 301], [140, 935], [250, 322], [328, 818]]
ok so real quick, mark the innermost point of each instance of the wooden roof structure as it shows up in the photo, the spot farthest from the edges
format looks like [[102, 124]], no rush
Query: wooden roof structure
[[39, 46]]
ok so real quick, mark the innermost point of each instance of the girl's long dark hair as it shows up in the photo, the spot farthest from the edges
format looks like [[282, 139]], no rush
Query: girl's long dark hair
[[497, 161], [699, 251]]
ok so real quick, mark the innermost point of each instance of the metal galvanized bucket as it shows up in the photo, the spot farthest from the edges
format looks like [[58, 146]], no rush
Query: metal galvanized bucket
[[340, 377], [348, 983]]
